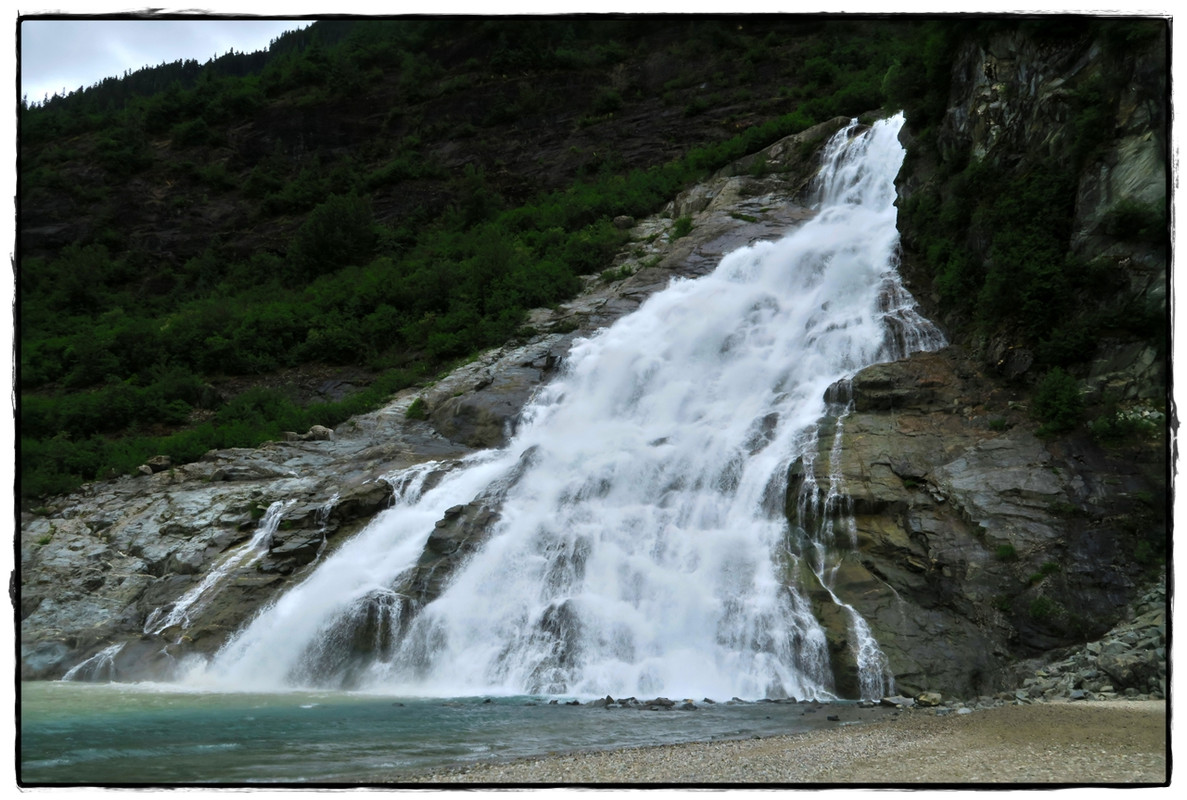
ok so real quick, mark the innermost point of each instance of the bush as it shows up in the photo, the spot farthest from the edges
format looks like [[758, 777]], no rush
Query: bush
[[607, 102], [192, 133], [339, 232], [1127, 424], [1043, 608], [1057, 402], [418, 409], [1134, 221], [1006, 552], [611, 275]]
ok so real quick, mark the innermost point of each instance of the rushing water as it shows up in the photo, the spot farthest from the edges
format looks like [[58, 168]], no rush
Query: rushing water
[[642, 546]]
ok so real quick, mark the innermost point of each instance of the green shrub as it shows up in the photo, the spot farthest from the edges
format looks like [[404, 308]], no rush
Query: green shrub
[[612, 275], [192, 133], [1063, 508], [1048, 568], [1134, 221], [698, 105], [607, 101], [1148, 553], [1127, 424], [1006, 552], [418, 409], [1042, 608], [681, 227], [1057, 402], [339, 232], [820, 72]]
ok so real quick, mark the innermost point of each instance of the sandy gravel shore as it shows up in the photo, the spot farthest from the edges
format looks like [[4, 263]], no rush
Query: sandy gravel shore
[[1070, 743]]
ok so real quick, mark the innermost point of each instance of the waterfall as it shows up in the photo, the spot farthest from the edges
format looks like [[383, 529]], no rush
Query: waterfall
[[98, 667], [641, 544], [161, 619]]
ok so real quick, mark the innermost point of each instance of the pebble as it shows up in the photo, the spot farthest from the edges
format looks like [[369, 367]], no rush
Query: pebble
[[1122, 742]]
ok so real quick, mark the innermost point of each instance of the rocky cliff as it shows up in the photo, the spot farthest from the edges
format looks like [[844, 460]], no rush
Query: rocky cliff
[[977, 545], [980, 541]]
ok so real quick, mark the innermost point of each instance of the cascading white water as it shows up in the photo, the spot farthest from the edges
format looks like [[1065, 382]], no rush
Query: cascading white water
[[98, 667], [241, 557], [644, 549]]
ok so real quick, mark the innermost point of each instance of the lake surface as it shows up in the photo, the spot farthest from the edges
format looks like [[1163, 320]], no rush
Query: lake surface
[[120, 734]]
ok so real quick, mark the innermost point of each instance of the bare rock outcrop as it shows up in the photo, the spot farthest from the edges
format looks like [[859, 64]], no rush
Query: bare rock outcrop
[[977, 542]]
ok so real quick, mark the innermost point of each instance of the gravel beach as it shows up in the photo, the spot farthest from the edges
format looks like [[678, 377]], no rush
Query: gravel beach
[[1083, 743]]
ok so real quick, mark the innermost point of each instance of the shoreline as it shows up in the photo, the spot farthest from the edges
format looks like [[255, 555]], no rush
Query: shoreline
[[1118, 742]]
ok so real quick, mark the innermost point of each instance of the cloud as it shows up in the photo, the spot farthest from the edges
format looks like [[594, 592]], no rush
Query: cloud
[[59, 55]]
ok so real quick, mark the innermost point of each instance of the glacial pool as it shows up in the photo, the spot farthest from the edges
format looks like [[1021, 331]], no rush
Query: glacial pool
[[89, 734]]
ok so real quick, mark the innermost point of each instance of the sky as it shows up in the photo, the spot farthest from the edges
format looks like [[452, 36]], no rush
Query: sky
[[59, 56]]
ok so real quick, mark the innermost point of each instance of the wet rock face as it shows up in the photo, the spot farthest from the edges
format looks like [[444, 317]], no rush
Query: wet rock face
[[977, 543], [97, 566]]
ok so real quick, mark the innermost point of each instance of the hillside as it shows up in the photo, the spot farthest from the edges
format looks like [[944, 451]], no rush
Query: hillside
[[212, 254]]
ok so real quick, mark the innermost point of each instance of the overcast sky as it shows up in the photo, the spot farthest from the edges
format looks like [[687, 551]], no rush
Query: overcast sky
[[59, 55]]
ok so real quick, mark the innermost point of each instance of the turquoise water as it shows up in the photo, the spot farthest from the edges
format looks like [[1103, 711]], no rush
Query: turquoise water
[[113, 734]]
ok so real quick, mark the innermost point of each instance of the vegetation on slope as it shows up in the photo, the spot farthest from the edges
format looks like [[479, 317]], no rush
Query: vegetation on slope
[[389, 196], [385, 198]]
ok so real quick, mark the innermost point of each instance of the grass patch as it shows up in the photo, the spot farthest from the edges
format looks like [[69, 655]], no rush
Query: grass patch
[[681, 228], [418, 409]]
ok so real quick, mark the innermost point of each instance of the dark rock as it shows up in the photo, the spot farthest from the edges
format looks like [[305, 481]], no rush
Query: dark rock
[[45, 659], [928, 699], [159, 463], [361, 502], [1132, 669], [485, 417]]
